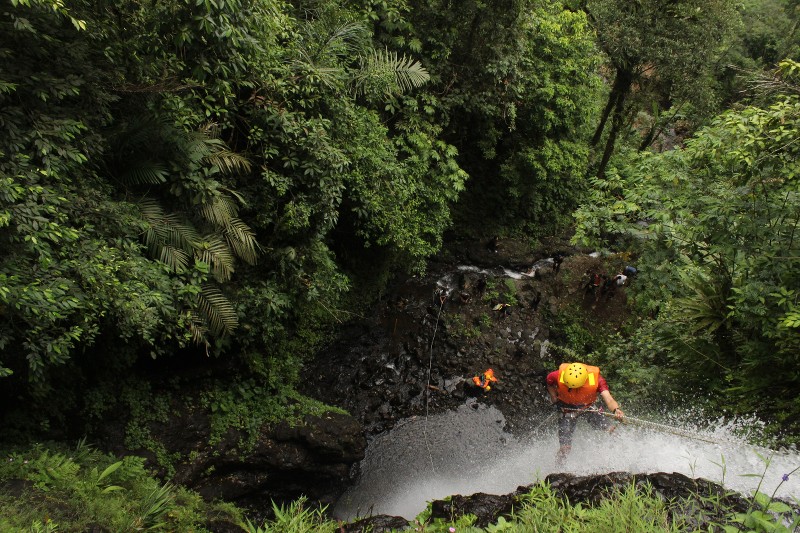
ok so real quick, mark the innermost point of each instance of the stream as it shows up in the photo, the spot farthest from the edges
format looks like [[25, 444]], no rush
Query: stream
[[468, 450]]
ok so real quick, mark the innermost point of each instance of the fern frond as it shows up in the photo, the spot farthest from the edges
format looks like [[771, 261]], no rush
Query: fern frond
[[217, 310]]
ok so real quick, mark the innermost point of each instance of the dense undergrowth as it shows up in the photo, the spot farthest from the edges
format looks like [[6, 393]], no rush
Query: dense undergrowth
[[630, 509], [50, 488]]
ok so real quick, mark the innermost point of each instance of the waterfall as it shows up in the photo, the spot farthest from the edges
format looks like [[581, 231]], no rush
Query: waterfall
[[468, 450]]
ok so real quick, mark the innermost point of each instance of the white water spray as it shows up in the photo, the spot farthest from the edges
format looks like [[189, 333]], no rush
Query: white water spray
[[471, 452]]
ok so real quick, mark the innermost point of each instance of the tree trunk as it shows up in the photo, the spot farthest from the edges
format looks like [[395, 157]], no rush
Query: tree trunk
[[598, 132], [622, 86], [655, 130]]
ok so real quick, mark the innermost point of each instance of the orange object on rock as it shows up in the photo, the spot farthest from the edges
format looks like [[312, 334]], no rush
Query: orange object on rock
[[485, 380]]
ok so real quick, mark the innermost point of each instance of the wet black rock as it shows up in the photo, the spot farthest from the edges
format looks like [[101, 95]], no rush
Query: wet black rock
[[376, 524], [697, 495], [487, 508]]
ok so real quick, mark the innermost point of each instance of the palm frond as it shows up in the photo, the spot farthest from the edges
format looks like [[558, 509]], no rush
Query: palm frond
[[198, 329], [167, 228], [386, 72], [219, 210], [342, 40], [175, 258], [217, 254], [705, 309], [168, 236], [226, 160], [196, 146], [229, 162], [145, 173], [326, 47], [327, 76], [217, 310], [242, 241]]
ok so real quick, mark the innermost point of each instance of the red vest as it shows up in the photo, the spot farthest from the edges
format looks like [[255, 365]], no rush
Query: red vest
[[583, 396]]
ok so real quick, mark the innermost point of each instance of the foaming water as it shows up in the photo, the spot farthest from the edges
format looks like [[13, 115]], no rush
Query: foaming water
[[467, 451]]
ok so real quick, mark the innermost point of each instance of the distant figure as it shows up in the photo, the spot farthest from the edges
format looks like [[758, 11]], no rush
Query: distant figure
[[504, 309], [601, 282], [630, 271], [536, 300], [439, 296], [480, 286], [609, 287], [558, 258], [494, 244], [593, 283], [611, 284]]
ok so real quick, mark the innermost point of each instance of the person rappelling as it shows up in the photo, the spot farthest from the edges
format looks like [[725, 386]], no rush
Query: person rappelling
[[574, 389], [485, 380]]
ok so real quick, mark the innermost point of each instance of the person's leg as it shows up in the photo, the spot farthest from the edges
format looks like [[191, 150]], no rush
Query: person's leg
[[600, 421], [566, 427]]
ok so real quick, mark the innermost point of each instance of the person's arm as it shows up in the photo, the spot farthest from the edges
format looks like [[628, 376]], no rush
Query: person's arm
[[612, 404], [551, 381], [552, 390]]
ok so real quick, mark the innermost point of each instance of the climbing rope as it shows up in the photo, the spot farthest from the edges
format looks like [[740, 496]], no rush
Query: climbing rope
[[657, 426], [543, 422], [428, 384]]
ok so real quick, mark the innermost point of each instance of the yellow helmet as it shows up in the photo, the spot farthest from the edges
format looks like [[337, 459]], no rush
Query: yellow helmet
[[575, 375]]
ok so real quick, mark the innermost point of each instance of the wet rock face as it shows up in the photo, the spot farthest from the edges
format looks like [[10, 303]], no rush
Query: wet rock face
[[416, 351], [415, 355]]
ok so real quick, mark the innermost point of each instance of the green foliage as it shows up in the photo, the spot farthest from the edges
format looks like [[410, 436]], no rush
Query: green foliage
[[80, 488], [664, 58], [630, 509], [294, 518], [179, 175], [248, 406], [766, 514], [719, 234], [517, 84], [767, 35]]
